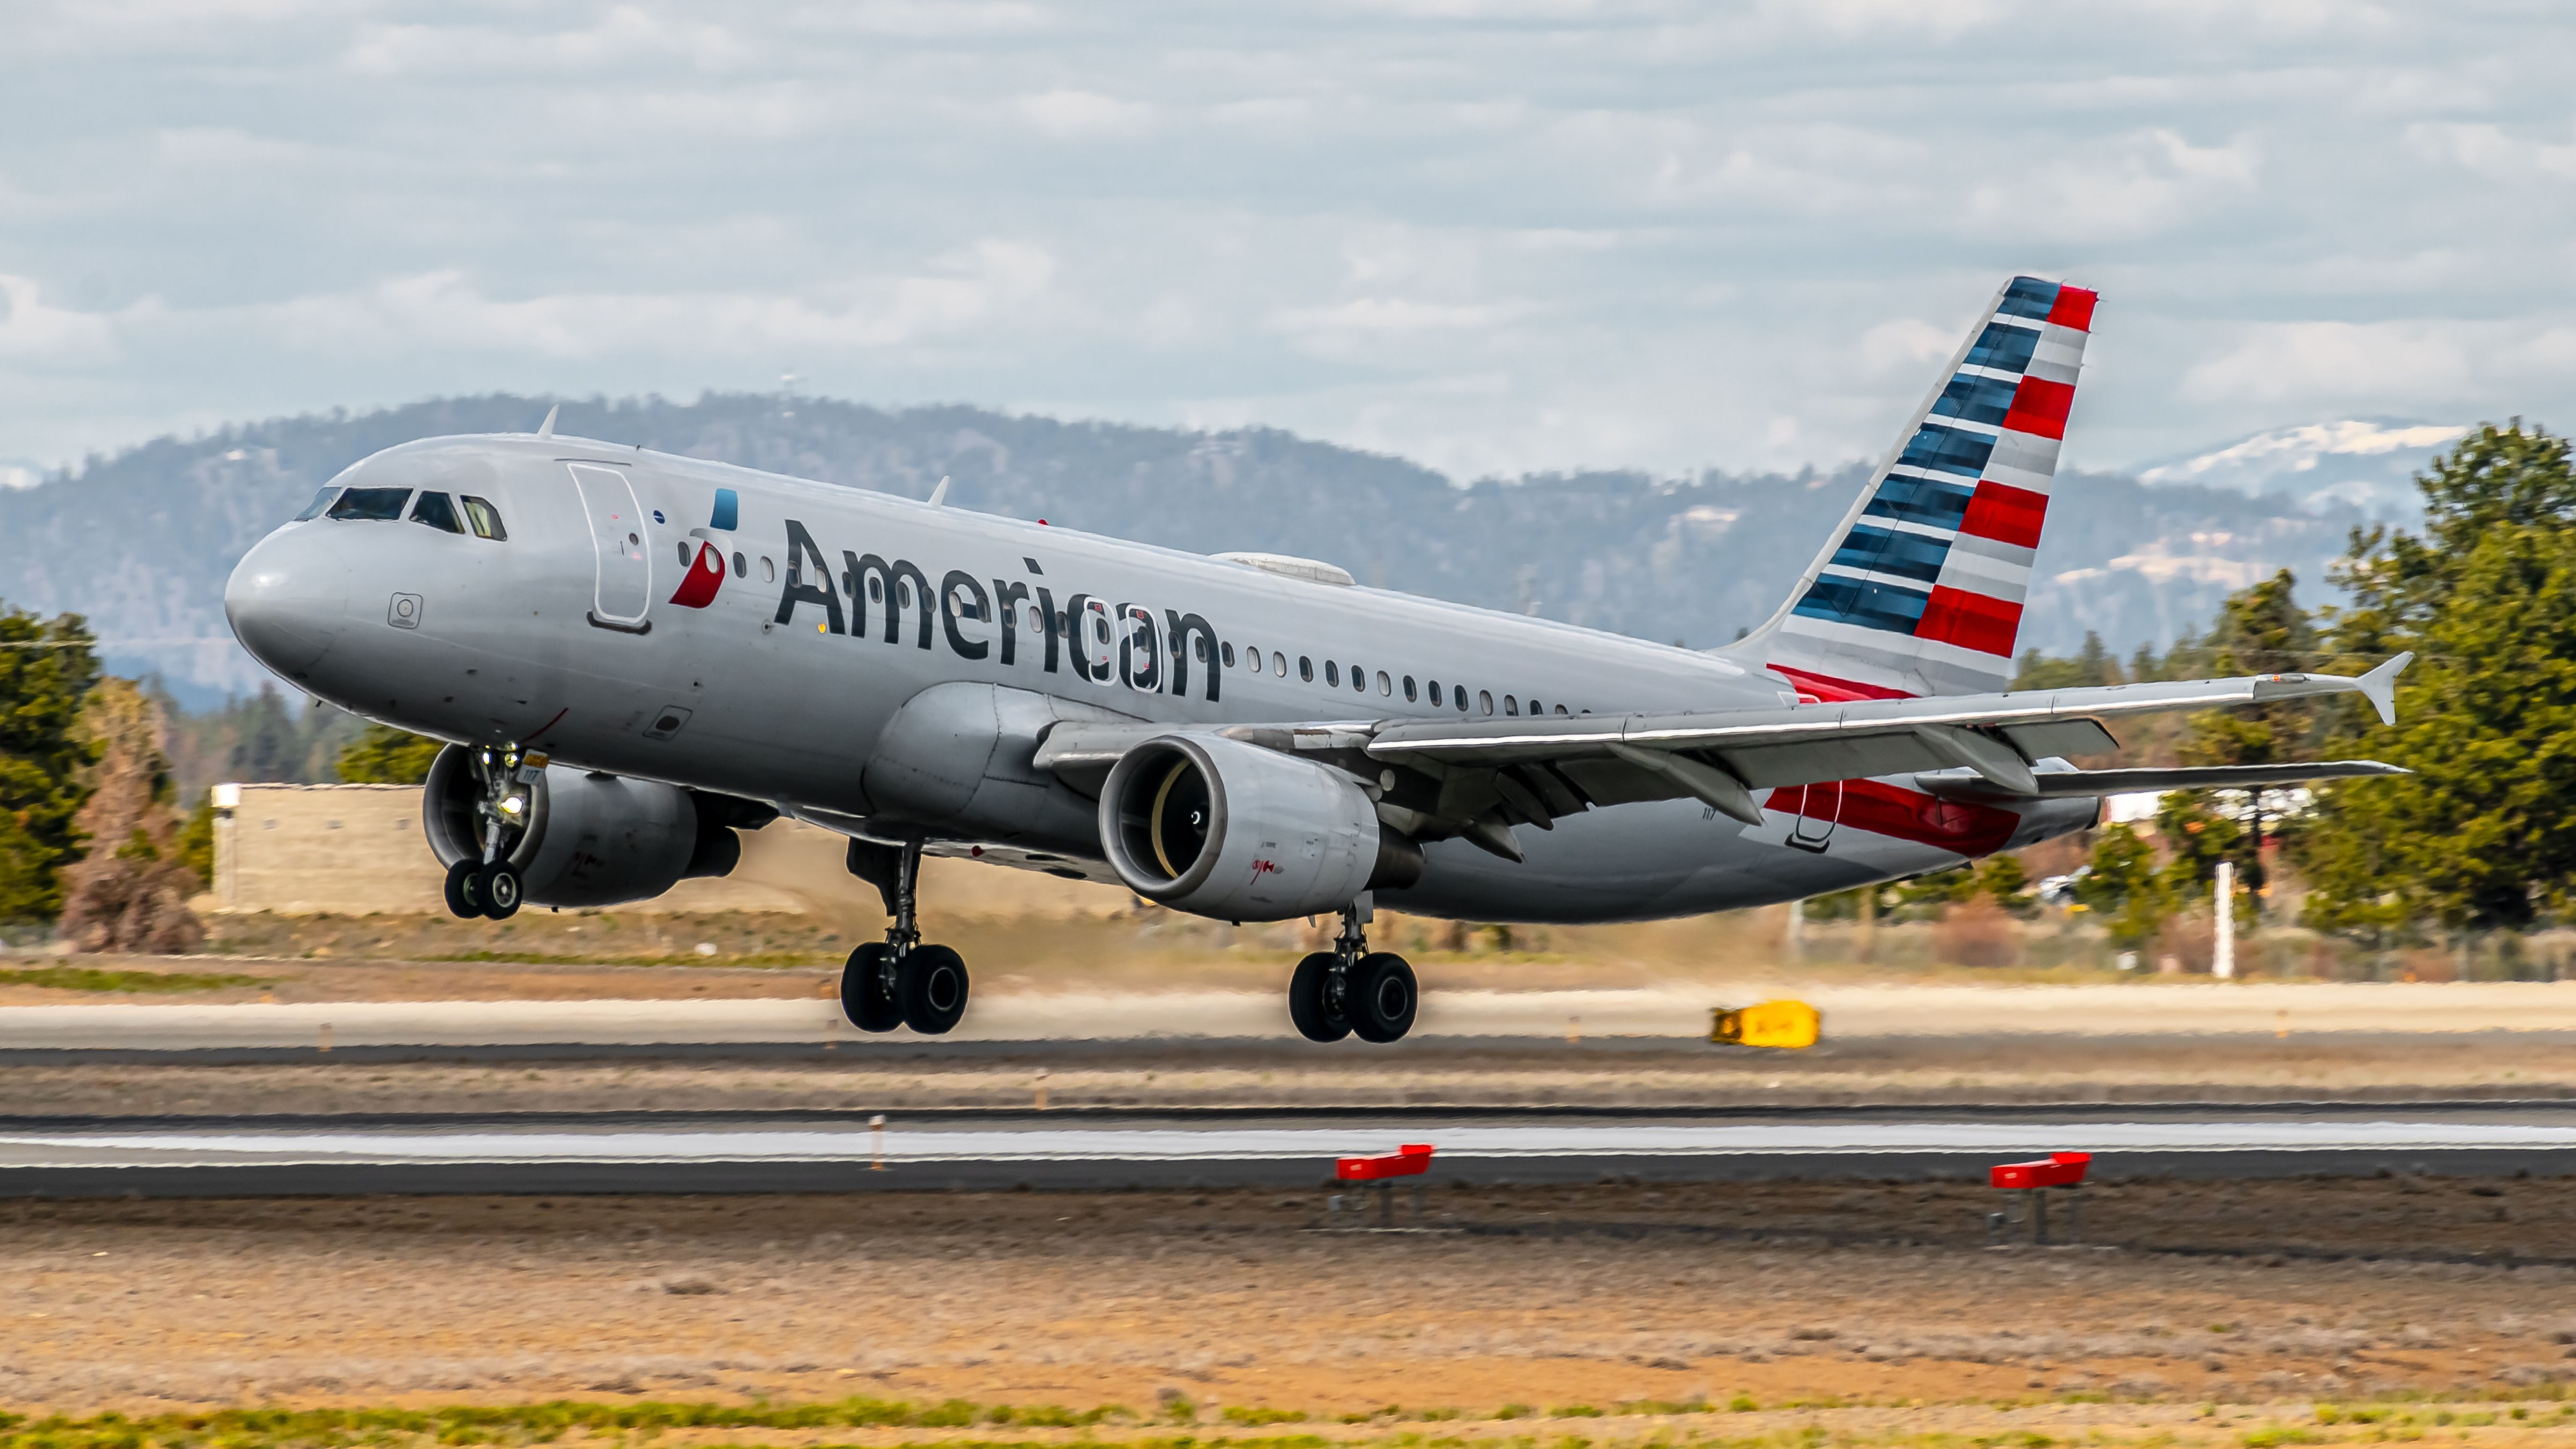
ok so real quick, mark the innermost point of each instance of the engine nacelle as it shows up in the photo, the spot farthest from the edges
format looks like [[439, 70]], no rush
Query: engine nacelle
[[591, 840], [1221, 828]]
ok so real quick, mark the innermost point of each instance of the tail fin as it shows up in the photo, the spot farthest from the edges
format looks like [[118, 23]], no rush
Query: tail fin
[[1920, 592]]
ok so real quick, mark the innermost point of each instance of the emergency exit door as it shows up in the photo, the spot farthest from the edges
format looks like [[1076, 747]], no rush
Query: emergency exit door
[[620, 545]]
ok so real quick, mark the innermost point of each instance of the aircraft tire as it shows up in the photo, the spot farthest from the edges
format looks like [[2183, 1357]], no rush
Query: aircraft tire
[[462, 902], [863, 1001], [1384, 997], [931, 984], [498, 887], [1310, 1004]]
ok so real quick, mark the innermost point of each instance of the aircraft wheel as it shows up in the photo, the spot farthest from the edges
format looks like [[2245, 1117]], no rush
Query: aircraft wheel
[[462, 900], [931, 985], [864, 999], [497, 886], [1310, 1004], [1384, 997]]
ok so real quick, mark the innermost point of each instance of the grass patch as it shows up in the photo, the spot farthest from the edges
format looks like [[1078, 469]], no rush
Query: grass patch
[[91, 978], [1257, 1418]]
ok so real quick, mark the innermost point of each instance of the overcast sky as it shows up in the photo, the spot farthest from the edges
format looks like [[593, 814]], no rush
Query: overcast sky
[[1492, 237]]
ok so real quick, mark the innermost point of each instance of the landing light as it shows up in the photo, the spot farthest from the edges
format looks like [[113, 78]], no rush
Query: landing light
[[512, 805]]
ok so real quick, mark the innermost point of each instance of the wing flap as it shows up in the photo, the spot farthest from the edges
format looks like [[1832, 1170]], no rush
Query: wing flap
[[2061, 784]]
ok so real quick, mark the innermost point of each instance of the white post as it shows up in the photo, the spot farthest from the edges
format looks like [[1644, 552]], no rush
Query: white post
[[1797, 941], [2223, 964]]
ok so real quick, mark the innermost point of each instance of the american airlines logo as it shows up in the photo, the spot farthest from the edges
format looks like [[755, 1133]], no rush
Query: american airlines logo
[[1088, 637]]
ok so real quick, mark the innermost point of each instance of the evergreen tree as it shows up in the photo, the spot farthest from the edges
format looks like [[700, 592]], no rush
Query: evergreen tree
[[388, 756], [46, 669], [2480, 835]]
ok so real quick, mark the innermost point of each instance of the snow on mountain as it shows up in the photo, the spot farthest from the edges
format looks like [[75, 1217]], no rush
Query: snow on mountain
[[2367, 464]]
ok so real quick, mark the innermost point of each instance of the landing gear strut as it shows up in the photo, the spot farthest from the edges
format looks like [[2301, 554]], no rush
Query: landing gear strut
[[1351, 990], [900, 981], [487, 884]]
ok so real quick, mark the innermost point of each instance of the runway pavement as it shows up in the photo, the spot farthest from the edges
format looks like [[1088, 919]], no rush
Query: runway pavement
[[791, 1152], [1675, 1015]]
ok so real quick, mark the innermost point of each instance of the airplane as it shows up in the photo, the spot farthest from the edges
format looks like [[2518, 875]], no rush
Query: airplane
[[633, 656]]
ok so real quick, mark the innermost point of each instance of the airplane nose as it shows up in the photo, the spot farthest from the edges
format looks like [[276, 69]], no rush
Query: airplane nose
[[288, 598]]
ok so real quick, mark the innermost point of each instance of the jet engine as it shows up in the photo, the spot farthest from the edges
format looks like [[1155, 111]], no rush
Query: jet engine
[[589, 839], [1222, 828]]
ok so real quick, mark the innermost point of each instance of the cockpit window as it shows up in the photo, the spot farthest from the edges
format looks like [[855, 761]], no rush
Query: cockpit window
[[320, 501], [485, 518], [371, 503], [438, 512]]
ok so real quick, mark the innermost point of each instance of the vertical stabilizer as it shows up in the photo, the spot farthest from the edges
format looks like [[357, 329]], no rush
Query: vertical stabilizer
[[1920, 591]]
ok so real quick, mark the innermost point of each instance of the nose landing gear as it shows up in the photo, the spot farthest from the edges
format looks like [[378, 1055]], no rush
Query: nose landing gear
[[488, 885], [1351, 990], [900, 981]]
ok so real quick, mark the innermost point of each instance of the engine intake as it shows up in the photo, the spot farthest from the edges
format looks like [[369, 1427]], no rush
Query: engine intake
[[1222, 828], [591, 839]]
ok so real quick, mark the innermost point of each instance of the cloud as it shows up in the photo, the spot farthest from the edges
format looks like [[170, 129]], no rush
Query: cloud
[[446, 309], [34, 331], [1497, 235], [1086, 114]]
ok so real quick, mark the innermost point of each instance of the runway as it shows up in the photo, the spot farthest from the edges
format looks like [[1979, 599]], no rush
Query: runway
[[1108, 1150], [1645, 1018]]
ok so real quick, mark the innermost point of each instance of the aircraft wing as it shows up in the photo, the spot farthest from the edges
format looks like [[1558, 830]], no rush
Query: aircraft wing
[[1478, 778]]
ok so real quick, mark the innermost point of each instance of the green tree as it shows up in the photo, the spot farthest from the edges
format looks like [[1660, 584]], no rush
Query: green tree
[[388, 756], [47, 668], [2123, 888], [2092, 665], [2480, 835]]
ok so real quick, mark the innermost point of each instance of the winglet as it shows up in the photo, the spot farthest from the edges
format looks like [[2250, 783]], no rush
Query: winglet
[[546, 429], [2379, 686], [939, 495]]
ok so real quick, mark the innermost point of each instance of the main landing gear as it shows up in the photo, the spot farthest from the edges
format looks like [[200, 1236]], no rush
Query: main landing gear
[[1352, 990], [488, 885], [899, 981]]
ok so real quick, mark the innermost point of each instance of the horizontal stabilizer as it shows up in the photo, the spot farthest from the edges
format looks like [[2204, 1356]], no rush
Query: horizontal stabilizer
[[1969, 785]]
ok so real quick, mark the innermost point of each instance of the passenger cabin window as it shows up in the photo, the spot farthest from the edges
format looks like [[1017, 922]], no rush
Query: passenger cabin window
[[1279, 664], [1305, 668], [438, 511], [320, 501], [1387, 686], [1332, 676], [1485, 697], [483, 518], [742, 570], [377, 505], [684, 553], [1510, 706], [1408, 689], [1227, 654], [1462, 699]]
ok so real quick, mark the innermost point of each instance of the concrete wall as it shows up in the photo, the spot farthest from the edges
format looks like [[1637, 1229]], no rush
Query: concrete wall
[[358, 849]]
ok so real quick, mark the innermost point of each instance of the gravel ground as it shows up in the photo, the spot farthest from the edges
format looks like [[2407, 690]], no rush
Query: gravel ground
[[2281, 1292]]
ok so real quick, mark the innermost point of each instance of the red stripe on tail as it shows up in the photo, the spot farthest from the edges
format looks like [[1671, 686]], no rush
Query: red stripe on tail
[[1971, 621], [2039, 408], [2005, 514]]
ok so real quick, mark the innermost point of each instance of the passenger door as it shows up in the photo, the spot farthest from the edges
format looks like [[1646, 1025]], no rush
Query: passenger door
[[621, 544]]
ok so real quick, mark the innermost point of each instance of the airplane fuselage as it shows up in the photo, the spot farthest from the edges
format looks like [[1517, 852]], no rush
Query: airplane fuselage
[[726, 630]]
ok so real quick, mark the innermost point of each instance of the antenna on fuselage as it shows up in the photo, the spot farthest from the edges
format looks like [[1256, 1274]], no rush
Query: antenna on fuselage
[[546, 429], [939, 495]]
